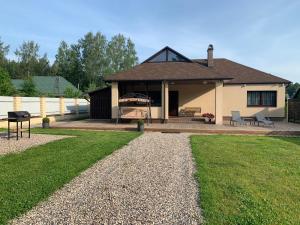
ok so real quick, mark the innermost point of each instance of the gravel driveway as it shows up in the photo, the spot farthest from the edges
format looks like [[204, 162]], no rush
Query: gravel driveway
[[149, 181]]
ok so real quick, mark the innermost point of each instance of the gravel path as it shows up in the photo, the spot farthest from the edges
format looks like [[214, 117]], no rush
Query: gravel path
[[149, 181], [12, 145]]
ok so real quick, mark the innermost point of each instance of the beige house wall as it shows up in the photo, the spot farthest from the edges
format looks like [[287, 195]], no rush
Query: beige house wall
[[196, 95], [235, 99]]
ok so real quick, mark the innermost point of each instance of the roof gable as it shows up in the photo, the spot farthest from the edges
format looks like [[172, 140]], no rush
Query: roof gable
[[167, 54]]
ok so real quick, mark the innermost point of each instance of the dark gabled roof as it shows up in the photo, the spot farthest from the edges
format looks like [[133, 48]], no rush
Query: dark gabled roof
[[160, 67], [185, 69], [168, 71], [242, 74]]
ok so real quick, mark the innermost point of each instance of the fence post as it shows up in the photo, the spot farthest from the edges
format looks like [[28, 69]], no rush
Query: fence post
[[17, 103], [62, 106], [76, 106], [42, 107]]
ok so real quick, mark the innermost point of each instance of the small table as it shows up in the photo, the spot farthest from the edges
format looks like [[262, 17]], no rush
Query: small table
[[251, 120]]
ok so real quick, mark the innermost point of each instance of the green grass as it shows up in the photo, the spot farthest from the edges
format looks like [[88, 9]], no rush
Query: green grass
[[248, 180], [31, 176]]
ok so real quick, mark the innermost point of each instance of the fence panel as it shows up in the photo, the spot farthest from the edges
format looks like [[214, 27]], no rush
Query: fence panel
[[52, 106], [31, 104], [6, 104], [70, 105], [83, 106], [294, 110]]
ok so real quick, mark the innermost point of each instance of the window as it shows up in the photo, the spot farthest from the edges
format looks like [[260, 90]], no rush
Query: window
[[168, 55], [160, 57], [261, 98]]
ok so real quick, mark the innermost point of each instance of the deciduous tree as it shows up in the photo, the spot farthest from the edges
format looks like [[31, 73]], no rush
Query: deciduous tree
[[6, 87]]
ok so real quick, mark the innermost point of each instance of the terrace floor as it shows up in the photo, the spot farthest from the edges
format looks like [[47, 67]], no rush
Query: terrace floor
[[280, 128]]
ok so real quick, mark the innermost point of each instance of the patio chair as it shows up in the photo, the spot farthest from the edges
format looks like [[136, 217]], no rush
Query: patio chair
[[236, 118], [264, 120]]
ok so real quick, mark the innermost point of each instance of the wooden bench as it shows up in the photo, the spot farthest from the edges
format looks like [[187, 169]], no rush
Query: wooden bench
[[190, 112]]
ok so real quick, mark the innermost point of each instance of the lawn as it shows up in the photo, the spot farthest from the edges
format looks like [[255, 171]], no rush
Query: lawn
[[248, 180], [31, 176]]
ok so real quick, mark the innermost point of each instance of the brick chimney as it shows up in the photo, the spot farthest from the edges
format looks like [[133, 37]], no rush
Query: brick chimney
[[210, 56]]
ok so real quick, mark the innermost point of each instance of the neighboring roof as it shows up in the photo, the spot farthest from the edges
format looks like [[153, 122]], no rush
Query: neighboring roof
[[54, 85], [185, 69], [242, 74]]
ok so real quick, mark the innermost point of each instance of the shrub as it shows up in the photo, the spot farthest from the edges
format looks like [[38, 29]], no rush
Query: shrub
[[46, 120]]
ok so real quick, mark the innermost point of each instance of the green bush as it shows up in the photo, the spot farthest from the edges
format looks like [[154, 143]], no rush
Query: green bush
[[46, 120]]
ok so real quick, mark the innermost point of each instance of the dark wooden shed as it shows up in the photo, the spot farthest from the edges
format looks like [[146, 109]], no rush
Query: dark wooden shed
[[294, 108], [100, 103]]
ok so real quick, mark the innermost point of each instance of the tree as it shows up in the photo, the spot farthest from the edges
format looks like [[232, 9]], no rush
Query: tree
[[6, 87], [4, 49], [43, 68], [86, 63], [292, 88], [28, 56], [28, 88], [68, 63], [71, 93], [93, 57], [121, 53]]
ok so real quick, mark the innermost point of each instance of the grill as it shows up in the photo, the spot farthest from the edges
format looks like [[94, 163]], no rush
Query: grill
[[18, 117]]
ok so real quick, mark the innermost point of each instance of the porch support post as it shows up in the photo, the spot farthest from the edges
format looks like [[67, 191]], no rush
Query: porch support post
[[164, 101], [114, 100], [166, 110], [219, 102]]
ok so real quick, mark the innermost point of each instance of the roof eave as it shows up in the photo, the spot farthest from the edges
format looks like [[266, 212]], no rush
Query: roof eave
[[169, 79]]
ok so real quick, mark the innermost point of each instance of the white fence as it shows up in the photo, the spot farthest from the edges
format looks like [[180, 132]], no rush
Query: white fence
[[6, 104], [41, 106]]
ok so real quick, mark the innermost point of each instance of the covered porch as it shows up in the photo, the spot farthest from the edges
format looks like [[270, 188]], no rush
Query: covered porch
[[173, 99]]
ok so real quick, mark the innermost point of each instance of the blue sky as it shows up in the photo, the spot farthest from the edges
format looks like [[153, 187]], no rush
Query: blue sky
[[260, 34]]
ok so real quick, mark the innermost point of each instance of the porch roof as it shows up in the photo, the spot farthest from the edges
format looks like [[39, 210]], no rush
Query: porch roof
[[168, 71]]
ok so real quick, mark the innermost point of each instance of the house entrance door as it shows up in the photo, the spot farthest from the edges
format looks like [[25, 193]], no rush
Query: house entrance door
[[173, 103]]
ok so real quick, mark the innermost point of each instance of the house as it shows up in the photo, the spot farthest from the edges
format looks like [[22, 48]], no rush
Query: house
[[177, 84], [48, 85]]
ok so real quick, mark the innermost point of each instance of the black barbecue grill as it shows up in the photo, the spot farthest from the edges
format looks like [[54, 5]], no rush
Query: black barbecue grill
[[18, 117]]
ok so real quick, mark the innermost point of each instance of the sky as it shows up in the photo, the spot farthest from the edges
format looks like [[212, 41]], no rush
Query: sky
[[260, 34]]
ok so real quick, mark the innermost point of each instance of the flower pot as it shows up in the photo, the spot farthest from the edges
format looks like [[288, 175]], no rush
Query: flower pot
[[206, 119], [140, 127], [45, 125]]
